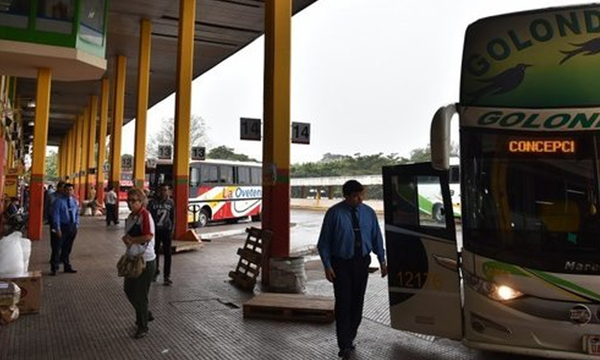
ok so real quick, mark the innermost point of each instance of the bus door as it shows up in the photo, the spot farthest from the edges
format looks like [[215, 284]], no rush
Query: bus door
[[424, 287]]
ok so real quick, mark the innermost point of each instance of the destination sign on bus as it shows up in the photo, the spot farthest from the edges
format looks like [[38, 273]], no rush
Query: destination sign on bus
[[541, 146]]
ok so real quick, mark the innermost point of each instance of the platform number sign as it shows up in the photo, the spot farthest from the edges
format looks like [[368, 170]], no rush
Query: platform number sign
[[198, 152], [151, 163], [300, 133], [250, 129], [126, 162], [165, 151]]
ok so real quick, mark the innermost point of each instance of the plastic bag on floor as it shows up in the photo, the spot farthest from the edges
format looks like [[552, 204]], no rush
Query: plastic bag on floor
[[26, 248], [14, 254]]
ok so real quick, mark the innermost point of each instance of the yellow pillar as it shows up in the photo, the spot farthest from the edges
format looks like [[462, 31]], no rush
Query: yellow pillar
[[117, 122], [91, 166], [276, 141], [71, 155], [38, 164], [78, 136], [104, 96], [183, 110], [139, 168], [66, 155], [10, 153], [83, 185]]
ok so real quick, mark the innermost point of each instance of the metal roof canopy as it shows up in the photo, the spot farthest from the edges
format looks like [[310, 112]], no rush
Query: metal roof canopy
[[223, 27]]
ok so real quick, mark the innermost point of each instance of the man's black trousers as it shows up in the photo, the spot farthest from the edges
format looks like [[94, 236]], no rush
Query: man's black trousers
[[163, 237], [349, 287]]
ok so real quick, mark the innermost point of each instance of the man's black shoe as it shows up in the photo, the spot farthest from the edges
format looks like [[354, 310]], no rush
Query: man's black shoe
[[344, 353], [150, 316], [70, 271], [140, 333]]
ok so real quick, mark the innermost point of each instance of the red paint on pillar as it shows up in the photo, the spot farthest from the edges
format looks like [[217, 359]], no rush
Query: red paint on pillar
[[2, 179], [100, 193], [36, 207], [276, 214], [181, 196]]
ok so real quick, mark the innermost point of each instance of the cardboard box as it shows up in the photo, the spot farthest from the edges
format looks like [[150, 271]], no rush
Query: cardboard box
[[30, 284]]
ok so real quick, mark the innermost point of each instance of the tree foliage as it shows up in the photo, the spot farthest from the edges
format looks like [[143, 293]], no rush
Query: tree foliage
[[358, 164], [346, 165], [166, 135], [51, 166], [226, 153]]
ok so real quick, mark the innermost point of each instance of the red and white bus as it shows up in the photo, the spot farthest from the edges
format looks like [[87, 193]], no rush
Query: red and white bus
[[218, 189], [125, 183]]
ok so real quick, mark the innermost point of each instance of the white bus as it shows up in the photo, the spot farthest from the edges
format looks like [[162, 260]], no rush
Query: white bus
[[219, 190], [432, 203], [526, 279]]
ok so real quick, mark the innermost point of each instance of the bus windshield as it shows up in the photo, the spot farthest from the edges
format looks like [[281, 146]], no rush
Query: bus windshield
[[532, 200]]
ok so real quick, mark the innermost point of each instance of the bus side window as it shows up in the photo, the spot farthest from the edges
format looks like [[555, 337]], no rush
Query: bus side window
[[243, 173], [226, 174], [208, 174], [256, 176], [194, 177]]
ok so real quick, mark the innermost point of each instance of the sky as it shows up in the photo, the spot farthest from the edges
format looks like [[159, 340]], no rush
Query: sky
[[368, 75]]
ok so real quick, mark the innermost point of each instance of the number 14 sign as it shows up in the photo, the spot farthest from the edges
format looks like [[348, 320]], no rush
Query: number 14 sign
[[300, 133]]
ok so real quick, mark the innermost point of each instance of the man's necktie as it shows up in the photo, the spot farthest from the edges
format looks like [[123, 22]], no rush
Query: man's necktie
[[70, 209], [357, 237]]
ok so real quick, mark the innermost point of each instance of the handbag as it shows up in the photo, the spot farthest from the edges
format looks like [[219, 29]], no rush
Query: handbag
[[131, 266]]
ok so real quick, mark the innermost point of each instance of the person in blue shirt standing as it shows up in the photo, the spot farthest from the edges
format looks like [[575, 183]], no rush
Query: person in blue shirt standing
[[65, 221], [349, 233]]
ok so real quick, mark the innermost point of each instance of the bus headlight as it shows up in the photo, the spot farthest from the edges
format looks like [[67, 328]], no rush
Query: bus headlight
[[492, 290], [504, 292]]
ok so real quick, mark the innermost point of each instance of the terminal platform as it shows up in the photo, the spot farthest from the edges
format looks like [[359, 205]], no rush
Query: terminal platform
[[87, 316]]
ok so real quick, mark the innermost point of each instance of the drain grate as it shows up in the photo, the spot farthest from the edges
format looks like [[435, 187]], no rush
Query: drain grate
[[203, 305]]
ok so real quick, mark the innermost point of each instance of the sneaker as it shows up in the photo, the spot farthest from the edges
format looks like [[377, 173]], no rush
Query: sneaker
[[167, 282], [140, 333]]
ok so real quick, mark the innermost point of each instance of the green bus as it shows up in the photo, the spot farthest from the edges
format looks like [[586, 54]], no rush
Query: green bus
[[524, 276]]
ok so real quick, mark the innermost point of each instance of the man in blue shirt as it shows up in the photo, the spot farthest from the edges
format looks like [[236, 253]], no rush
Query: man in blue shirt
[[65, 221], [349, 233]]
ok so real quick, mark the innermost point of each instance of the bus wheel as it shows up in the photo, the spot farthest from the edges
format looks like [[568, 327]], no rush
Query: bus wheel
[[437, 212], [255, 218], [202, 218]]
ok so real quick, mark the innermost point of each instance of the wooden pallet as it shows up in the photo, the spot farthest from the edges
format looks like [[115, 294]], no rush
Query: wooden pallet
[[189, 241], [252, 258], [180, 246], [295, 307]]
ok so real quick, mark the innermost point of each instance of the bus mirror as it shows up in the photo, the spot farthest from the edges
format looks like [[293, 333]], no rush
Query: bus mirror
[[440, 137]]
